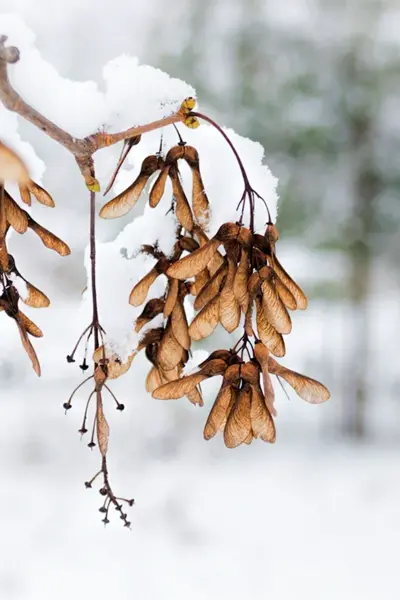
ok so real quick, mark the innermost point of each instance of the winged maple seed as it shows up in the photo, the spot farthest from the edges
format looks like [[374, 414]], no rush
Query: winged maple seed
[[166, 168], [14, 287]]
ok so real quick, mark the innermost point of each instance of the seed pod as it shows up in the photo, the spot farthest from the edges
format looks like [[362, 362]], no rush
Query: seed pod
[[297, 292], [218, 415], [241, 279], [267, 334], [15, 216], [50, 240], [211, 288], [262, 423], [205, 321], [170, 350], [139, 293], [229, 307], [126, 200], [238, 425], [172, 296], [191, 265], [182, 208], [275, 311], [262, 355], [308, 389]]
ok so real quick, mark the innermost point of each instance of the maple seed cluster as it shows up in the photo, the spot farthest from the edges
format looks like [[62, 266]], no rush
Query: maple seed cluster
[[14, 286], [235, 279]]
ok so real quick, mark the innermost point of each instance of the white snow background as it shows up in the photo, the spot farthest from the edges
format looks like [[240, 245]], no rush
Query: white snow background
[[305, 518]]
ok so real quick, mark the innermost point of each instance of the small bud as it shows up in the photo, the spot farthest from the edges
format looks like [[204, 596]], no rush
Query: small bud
[[127, 524], [91, 445], [82, 430], [67, 405], [102, 509], [103, 491], [84, 366], [105, 521], [70, 359], [131, 502], [123, 516], [121, 407], [88, 484]]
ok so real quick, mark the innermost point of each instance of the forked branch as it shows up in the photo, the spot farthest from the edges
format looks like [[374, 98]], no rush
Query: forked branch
[[82, 149]]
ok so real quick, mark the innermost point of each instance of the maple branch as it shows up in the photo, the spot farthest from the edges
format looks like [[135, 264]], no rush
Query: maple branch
[[82, 149]]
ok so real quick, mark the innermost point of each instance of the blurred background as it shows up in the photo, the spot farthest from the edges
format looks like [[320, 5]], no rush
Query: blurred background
[[317, 83]]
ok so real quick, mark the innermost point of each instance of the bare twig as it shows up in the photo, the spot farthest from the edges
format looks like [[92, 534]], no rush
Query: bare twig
[[82, 149]]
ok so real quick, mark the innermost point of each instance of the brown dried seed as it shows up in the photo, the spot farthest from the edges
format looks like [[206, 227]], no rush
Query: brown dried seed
[[200, 203], [262, 423], [40, 194], [229, 306], [275, 311], [195, 397], [238, 425], [152, 336], [139, 293], [206, 321], [261, 353], [182, 208], [241, 279], [214, 367], [29, 326], [224, 355], [218, 414], [250, 372], [50, 240], [170, 350], [179, 325], [211, 288], [297, 292], [285, 294], [308, 389], [16, 217], [174, 154], [233, 373], [103, 430], [188, 244], [157, 191], [153, 380], [271, 235], [200, 281], [267, 334], [191, 265], [228, 232], [35, 298], [172, 296], [29, 349], [178, 388], [25, 194], [245, 237], [153, 307]]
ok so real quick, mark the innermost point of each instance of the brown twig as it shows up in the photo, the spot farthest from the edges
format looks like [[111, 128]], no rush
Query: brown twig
[[82, 149]]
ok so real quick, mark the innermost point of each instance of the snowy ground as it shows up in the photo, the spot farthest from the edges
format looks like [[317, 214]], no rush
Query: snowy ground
[[299, 520]]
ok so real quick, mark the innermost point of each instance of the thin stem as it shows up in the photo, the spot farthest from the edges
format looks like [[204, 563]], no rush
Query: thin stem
[[235, 152], [95, 318]]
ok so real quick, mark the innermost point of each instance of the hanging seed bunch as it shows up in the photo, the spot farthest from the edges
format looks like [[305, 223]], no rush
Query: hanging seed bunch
[[167, 347], [237, 282], [14, 286]]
